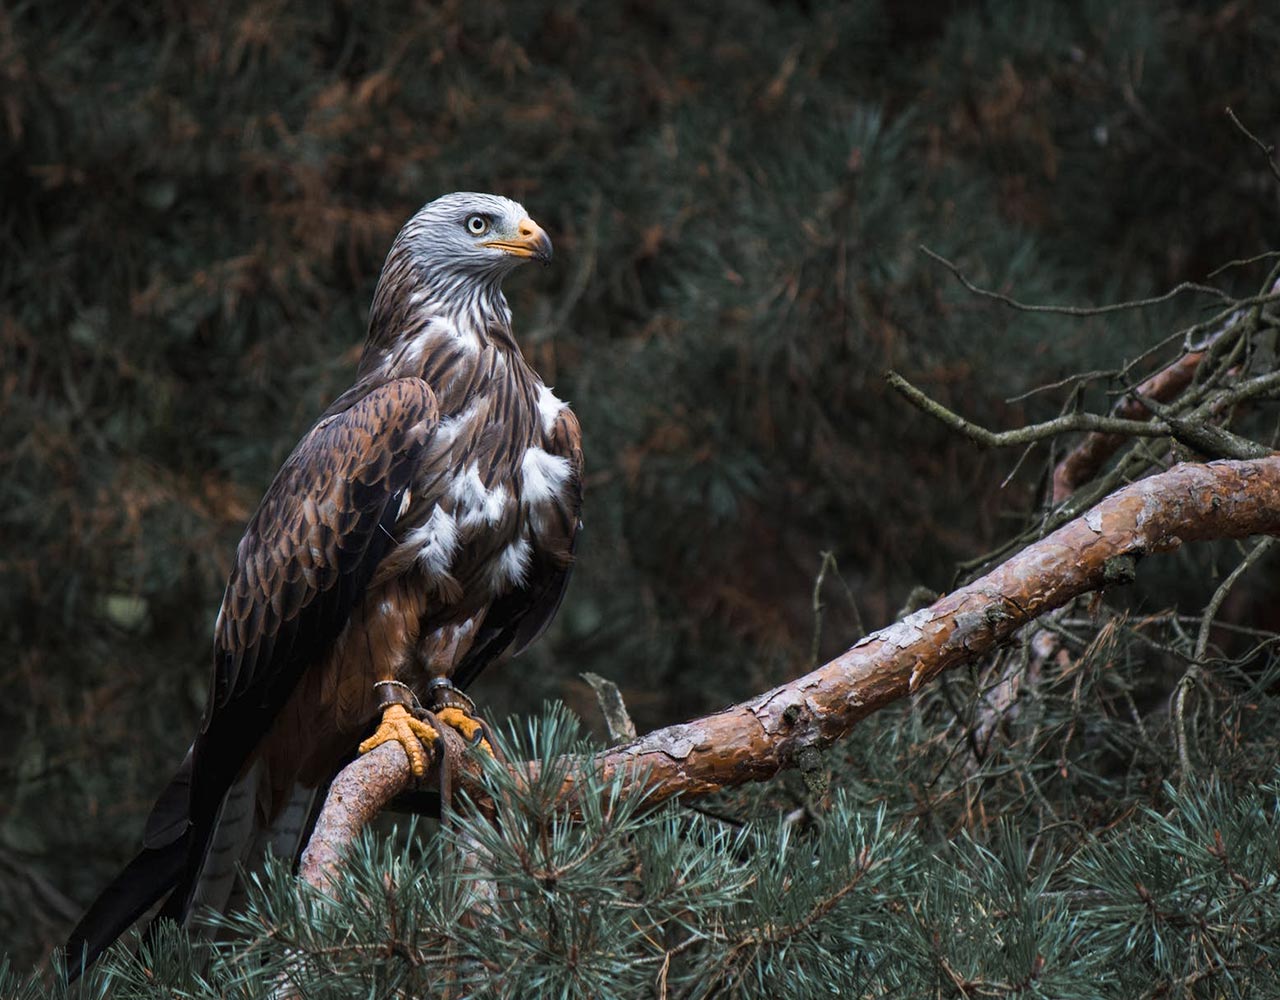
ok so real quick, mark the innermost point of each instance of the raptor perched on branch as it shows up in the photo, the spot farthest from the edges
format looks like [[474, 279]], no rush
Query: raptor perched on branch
[[422, 528]]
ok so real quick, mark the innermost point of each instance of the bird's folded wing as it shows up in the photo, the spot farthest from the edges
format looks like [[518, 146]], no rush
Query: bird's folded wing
[[304, 562]]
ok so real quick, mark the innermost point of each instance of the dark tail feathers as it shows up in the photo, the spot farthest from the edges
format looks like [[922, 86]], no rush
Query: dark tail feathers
[[154, 872]]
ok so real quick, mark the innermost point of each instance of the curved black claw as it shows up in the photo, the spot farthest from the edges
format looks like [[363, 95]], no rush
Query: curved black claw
[[483, 735]]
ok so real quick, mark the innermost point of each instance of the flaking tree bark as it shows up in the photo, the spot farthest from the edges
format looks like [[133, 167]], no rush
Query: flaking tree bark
[[787, 726]]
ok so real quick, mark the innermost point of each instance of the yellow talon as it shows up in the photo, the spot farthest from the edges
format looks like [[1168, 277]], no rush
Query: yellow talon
[[398, 725], [457, 719]]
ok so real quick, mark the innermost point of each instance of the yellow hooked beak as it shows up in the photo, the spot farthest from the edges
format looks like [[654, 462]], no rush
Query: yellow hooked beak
[[531, 242]]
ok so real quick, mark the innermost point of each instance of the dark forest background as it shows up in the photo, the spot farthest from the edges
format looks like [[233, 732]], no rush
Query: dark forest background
[[195, 199]]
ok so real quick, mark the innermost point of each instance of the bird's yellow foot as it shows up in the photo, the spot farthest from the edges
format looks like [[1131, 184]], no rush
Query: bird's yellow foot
[[398, 725], [471, 730]]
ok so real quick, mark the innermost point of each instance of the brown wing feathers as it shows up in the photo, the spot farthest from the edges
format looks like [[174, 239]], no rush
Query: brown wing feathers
[[305, 560], [318, 534]]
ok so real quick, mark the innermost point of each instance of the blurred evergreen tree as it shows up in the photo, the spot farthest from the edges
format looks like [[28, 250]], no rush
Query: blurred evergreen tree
[[194, 204]]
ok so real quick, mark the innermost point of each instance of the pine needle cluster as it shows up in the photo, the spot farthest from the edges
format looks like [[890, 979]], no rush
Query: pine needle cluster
[[912, 875], [195, 201]]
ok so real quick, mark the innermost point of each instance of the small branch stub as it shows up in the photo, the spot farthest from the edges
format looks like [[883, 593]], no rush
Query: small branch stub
[[612, 707], [1120, 571]]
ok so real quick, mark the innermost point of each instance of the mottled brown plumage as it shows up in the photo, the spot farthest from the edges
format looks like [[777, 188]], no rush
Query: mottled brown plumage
[[422, 528]]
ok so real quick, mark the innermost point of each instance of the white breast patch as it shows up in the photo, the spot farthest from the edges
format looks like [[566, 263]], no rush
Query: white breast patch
[[475, 504], [549, 406], [437, 542], [510, 567], [543, 476], [450, 427]]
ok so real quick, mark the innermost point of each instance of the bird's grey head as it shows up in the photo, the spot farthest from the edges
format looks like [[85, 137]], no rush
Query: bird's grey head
[[472, 235], [449, 261]]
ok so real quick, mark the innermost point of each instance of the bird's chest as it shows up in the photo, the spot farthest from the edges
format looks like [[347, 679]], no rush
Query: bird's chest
[[472, 470], [480, 497]]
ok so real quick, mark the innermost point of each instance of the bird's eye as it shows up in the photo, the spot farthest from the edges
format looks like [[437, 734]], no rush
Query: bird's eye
[[477, 225]]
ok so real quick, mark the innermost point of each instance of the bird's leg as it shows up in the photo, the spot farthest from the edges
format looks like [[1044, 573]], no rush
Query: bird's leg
[[400, 723], [457, 711]]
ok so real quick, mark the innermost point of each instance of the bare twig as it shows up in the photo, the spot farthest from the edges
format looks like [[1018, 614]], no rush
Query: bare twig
[[1215, 602], [1188, 681], [1205, 437], [1253, 388], [1064, 424], [1077, 378], [1000, 700], [829, 564], [1083, 462], [1267, 151], [1192, 675], [1244, 262], [986, 293]]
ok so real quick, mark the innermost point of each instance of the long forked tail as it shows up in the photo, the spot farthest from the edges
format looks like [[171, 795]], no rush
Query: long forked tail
[[148, 877], [173, 863], [196, 865]]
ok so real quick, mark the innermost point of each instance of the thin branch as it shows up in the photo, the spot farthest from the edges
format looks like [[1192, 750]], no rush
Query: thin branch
[[818, 607], [1180, 724], [1064, 424], [1267, 151], [1215, 603], [1259, 385], [1244, 262], [1206, 438], [1115, 307], [829, 563], [758, 738], [616, 717], [1077, 377], [1083, 462]]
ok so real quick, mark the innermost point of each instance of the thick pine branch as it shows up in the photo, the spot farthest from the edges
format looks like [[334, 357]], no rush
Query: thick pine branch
[[783, 728]]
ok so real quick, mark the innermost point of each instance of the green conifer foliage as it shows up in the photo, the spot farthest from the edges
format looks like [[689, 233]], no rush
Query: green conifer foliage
[[194, 203]]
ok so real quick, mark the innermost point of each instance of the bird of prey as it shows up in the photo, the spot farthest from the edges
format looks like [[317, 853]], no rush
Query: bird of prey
[[424, 526]]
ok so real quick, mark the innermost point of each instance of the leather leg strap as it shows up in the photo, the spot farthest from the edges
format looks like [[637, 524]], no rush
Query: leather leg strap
[[442, 694], [396, 693]]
